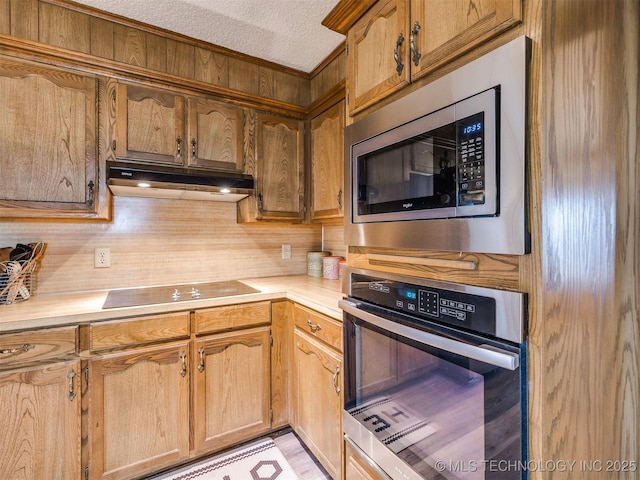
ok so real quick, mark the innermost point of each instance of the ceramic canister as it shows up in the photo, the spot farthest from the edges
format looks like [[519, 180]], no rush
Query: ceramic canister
[[330, 267], [314, 263]]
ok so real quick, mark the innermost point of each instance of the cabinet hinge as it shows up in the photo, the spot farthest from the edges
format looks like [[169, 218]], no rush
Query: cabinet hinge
[[270, 416], [86, 376], [86, 472], [271, 340]]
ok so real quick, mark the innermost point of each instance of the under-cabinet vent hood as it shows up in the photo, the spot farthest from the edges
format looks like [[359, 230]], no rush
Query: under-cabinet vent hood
[[178, 183]]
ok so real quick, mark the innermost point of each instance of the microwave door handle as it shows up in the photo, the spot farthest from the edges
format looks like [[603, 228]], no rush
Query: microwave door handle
[[483, 353]]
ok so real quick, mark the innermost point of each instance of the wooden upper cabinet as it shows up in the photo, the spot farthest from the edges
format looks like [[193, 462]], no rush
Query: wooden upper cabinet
[[48, 127], [165, 127], [448, 28], [327, 164], [376, 46], [399, 41], [279, 171], [215, 135], [150, 125]]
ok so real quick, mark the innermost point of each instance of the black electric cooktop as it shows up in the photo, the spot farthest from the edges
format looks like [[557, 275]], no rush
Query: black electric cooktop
[[133, 297]]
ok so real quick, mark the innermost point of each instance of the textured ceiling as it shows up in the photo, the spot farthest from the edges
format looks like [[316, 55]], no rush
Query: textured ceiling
[[287, 32]]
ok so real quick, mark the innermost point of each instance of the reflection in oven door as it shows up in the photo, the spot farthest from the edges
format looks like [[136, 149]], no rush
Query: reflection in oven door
[[441, 414]]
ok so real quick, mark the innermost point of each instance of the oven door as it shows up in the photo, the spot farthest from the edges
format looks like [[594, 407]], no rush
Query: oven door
[[430, 402]]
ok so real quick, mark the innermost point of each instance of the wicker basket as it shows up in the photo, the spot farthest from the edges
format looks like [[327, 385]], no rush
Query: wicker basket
[[17, 278]]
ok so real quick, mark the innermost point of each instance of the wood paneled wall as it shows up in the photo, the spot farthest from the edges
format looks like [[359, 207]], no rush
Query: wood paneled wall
[[587, 379], [159, 242], [81, 29]]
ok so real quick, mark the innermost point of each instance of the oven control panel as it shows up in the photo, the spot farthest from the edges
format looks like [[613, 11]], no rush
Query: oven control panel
[[460, 309]]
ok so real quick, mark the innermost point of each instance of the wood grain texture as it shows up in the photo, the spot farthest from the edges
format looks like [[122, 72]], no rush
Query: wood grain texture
[[590, 231], [139, 390], [233, 317], [64, 28], [315, 396], [41, 433], [17, 348], [281, 334], [136, 331], [499, 271], [235, 383]]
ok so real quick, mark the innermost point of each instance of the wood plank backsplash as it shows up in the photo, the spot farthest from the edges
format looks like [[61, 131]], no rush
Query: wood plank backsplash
[[159, 242]]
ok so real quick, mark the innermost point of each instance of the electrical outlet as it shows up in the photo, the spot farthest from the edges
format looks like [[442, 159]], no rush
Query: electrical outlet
[[102, 258], [286, 251]]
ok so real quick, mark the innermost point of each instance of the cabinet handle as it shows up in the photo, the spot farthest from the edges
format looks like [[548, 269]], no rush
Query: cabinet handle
[[183, 358], [193, 149], [25, 348], [314, 328], [72, 393], [91, 193], [339, 197], [396, 55], [412, 44], [336, 387], [201, 353], [179, 148]]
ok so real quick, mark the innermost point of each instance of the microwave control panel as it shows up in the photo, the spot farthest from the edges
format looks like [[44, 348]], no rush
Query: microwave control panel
[[471, 176]]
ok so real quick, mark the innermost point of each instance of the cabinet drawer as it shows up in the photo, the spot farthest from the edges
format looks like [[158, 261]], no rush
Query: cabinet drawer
[[230, 317], [37, 345], [136, 331], [321, 326]]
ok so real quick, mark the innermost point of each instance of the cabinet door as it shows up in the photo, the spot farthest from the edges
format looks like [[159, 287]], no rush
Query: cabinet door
[[48, 165], [231, 388], [138, 410], [215, 135], [40, 422], [358, 467], [280, 168], [318, 400], [449, 28], [327, 164], [150, 125], [378, 54]]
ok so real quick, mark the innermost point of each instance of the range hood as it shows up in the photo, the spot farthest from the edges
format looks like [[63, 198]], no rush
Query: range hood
[[125, 179]]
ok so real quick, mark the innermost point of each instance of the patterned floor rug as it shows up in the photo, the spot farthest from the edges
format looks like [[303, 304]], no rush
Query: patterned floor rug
[[392, 423], [258, 461]]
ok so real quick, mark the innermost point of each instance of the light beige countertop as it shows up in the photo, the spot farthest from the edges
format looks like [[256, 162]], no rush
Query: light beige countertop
[[73, 308]]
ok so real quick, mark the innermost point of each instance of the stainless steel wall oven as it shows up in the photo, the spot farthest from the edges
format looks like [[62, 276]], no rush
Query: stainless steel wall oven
[[443, 168], [435, 377]]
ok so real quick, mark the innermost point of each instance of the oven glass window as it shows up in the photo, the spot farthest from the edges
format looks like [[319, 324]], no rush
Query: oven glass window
[[444, 415]]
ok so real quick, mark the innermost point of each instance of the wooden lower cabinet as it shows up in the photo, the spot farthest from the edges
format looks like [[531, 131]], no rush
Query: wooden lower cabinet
[[358, 467], [231, 388], [318, 400], [138, 410], [41, 434]]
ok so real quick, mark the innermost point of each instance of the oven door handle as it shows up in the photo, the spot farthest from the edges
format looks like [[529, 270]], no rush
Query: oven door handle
[[483, 353]]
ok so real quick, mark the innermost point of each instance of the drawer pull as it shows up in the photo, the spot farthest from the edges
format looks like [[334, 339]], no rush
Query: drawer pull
[[336, 387], [183, 358], [25, 348], [201, 353], [72, 391], [314, 328]]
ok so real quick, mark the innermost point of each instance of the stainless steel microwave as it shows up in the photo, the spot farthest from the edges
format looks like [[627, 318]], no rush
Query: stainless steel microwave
[[443, 168]]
